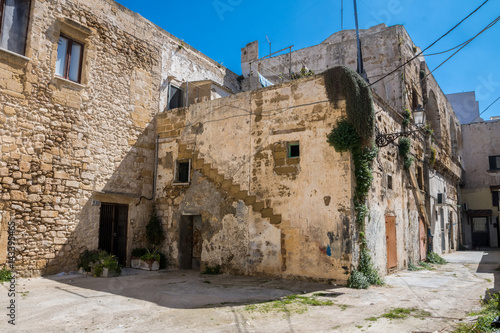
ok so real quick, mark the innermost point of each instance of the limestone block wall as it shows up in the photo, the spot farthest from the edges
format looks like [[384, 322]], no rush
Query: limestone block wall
[[67, 147], [262, 211]]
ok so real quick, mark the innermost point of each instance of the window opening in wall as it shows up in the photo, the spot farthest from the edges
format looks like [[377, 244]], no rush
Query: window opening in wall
[[494, 162], [69, 59], [14, 18], [183, 171], [494, 198], [389, 182], [293, 150], [175, 97]]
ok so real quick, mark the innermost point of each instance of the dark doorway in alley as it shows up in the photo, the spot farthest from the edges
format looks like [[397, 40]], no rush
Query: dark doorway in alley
[[113, 230], [190, 242], [392, 250]]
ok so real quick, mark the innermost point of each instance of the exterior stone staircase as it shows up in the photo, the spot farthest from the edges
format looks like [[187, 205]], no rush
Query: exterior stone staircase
[[233, 190]]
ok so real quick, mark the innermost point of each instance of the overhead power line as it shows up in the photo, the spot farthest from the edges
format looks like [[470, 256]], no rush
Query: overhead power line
[[496, 100], [420, 53]]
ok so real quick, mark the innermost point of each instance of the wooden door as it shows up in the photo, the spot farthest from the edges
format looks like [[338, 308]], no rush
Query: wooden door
[[390, 236], [423, 239], [113, 223]]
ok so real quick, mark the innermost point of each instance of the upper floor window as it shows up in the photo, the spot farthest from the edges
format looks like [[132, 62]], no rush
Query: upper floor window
[[14, 17], [495, 162], [175, 97], [69, 58]]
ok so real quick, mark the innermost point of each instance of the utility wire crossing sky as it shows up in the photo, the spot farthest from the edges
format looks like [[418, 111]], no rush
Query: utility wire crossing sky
[[220, 28]]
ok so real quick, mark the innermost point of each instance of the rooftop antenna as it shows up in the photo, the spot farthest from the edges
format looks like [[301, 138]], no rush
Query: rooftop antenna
[[360, 70], [341, 14], [269, 45]]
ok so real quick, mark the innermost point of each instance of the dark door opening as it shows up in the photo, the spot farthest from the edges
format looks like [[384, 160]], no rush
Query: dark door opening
[[480, 232], [190, 242], [113, 224]]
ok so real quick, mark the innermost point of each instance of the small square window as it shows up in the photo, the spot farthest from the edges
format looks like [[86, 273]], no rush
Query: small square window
[[494, 162], [69, 59], [293, 150], [175, 97], [183, 171]]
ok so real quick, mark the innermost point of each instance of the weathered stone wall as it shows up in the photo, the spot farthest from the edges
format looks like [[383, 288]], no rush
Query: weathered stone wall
[[68, 146], [262, 212], [384, 49]]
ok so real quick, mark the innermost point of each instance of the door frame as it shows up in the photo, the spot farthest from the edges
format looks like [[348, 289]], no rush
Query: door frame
[[120, 253], [391, 242]]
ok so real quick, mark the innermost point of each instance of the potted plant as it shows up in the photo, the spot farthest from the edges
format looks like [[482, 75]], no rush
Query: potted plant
[[99, 263], [150, 261], [137, 253]]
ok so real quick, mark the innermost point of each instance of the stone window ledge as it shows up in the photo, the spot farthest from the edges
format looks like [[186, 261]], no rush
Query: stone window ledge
[[13, 58], [181, 184], [62, 82], [493, 171]]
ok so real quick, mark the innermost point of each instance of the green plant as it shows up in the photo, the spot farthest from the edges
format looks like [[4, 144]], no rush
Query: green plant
[[428, 129], [151, 255], [489, 311], [344, 137], [98, 260], [434, 258], [212, 270], [422, 74], [406, 117], [5, 275], [432, 158], [342, 82], [154, 230], [355, 134], [303, 73], [404, 151]]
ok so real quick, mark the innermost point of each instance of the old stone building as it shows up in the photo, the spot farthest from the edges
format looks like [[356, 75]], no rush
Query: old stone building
[[104, 113], [410, 86], [80, 85]]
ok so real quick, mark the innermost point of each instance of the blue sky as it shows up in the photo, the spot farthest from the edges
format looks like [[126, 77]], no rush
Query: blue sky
[[220, 28]]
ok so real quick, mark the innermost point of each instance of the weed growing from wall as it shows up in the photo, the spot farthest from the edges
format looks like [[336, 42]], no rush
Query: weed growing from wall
[[355, 134], [404, 152]]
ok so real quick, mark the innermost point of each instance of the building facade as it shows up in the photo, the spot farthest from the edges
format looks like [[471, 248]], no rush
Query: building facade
[[80, 86], [481, 184]]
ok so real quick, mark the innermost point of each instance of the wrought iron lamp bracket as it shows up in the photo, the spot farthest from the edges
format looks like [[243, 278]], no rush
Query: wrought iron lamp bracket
[[383, 140]]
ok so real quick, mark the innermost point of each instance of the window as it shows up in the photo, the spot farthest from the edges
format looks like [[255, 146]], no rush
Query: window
[[182, 171], [293, 150], [494, 198], [175, 97], [69, 59], [389, 182], [494, 162], [14, 17]]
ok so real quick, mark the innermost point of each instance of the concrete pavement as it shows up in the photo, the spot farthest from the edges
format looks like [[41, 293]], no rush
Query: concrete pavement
[[187, 301]]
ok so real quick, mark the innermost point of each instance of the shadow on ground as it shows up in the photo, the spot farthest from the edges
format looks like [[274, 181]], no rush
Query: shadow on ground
[[490, 263], [189, 289]]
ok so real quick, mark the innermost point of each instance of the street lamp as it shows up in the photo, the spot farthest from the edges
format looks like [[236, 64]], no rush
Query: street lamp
[[383, 140]]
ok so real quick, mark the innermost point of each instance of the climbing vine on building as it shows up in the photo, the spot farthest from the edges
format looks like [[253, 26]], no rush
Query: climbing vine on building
[[355, 134]]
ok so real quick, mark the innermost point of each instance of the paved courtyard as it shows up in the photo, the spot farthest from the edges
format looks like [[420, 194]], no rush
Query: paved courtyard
[[187, 301]]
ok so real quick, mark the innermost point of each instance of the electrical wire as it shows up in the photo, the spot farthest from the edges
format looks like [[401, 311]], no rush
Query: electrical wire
[[496, 100], [420, 53], [489, 26]]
